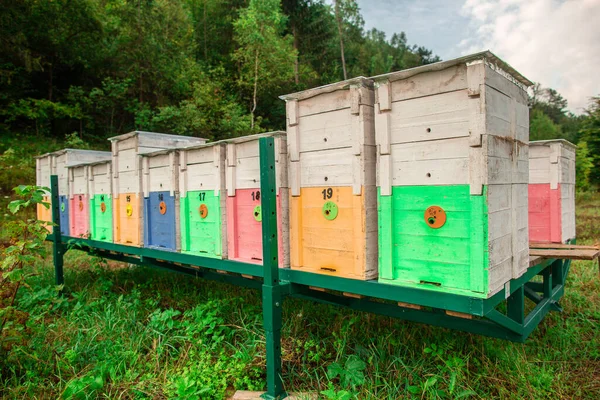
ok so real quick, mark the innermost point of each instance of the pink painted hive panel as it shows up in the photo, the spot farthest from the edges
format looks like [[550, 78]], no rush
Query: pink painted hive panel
[[79, 209], [544, 213], [551, 191], [244, 227]]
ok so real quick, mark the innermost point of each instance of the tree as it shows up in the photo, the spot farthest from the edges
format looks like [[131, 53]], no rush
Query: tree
[[590, 133], [265, 56], [541, 127]]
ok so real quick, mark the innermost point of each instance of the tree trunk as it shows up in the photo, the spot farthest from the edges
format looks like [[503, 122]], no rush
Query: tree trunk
[[255, 89], [205, 37], [296, 61], [50, 81], [338, 18]]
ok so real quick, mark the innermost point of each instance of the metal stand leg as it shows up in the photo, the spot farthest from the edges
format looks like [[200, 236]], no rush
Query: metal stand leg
[[271, 290], [515, 305], [57, 246]]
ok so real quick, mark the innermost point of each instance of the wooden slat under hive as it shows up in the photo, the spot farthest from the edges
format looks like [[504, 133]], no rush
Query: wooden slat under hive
[[333, 209]]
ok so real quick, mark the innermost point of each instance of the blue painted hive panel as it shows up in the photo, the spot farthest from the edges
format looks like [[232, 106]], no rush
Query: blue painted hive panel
[[159, 224], [64, 215]]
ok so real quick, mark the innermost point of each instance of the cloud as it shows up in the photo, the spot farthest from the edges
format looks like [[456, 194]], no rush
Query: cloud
[[553, 42]]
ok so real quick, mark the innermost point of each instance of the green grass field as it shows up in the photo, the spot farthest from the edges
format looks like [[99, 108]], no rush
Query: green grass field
[[139, 333]]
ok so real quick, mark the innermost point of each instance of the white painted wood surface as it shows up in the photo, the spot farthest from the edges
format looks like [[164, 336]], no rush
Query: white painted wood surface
[[127, 151], [203, 168], [243, 162], [462, 122], [78, 180], [160, 172], [57, 163], [100, 179]]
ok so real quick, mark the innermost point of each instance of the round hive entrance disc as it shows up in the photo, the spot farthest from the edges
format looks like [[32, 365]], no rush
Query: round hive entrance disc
[[257, 213], [330, 210], [162, 208], [103, 207], [129, 210], [81, 206], [203, 210], [435, 217]]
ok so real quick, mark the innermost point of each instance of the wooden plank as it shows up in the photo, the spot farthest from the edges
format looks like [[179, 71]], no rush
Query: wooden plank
[[408, 305], [249, 395], [570, 254], [538, 245], [459, 314]]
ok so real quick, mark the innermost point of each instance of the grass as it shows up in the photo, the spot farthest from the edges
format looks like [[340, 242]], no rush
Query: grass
[[139, 333]]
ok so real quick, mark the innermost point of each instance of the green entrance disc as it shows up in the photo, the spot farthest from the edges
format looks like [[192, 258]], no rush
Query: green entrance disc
[[257, 213], [62, 207], [330, 210]]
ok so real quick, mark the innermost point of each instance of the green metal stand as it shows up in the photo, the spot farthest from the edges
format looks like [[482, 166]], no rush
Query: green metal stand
[[277, 283], [58, 249]]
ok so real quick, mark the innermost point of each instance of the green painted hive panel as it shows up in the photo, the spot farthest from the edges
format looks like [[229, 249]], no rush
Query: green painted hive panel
[[200, 214], [452, 258], [101, 218]]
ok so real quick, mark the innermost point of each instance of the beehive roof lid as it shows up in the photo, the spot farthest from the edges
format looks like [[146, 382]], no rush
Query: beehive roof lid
[[305, 94], [99, 153], [155, 134], [248, 138], [89, 163], [487, 56], [158, 152], [564, 142], [204, 145]]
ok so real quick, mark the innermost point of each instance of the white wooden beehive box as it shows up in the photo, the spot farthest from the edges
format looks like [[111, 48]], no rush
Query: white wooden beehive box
[[452, 142], [243, 204], [203, 198], [333, 209], [127, 150]]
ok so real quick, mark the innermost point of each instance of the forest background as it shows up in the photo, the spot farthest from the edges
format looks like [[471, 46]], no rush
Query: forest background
[[75, 72]]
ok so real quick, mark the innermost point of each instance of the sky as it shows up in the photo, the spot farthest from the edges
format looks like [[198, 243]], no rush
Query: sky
[[553, 42]]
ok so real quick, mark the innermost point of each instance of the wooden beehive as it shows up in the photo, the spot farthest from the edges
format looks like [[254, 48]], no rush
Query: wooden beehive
[[243, 205], [452, 174], [161, 199], [100, 189], [127, 150], [56, 163], [551, 191], [203, 199], [333, 209], [79, 209]]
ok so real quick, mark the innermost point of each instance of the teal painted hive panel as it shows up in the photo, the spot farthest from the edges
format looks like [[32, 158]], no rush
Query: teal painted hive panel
[[451, 258], [201, 224], [101, 218]]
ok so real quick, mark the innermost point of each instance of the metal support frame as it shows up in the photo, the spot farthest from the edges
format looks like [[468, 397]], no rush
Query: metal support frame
[[374, 297]]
